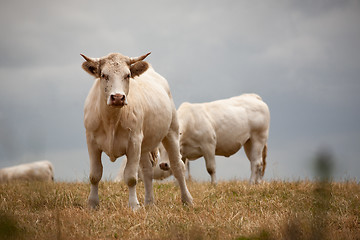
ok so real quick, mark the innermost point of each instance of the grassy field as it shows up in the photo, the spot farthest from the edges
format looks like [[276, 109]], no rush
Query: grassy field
[[230, 210]]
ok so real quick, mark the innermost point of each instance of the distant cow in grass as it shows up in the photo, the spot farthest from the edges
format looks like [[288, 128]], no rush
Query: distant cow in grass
[[221, 128], [35, 171], [129, 111]]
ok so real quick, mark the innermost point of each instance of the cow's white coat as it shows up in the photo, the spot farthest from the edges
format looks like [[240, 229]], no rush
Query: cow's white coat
[[221, 128], [129, 111], [34, 171]]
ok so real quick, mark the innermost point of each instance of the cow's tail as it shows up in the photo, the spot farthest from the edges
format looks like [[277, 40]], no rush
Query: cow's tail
[[264, 154]]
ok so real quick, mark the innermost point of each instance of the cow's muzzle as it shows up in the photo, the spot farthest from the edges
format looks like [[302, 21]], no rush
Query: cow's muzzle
[[117, 100], [164, 166]]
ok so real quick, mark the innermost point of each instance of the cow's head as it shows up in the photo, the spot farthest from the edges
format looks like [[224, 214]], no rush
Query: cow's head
[[115, 71]]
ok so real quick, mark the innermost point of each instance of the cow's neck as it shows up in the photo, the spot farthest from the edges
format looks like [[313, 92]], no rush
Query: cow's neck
[[110, 115]]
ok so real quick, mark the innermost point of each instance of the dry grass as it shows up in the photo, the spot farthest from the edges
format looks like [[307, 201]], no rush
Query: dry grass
[[230, 210]]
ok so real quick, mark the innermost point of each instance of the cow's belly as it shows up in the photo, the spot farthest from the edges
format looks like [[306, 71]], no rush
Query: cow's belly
[[230, 142], [191, 152], [227, 150]]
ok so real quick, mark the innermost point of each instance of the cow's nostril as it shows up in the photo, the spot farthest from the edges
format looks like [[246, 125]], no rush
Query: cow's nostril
[[117, 99]]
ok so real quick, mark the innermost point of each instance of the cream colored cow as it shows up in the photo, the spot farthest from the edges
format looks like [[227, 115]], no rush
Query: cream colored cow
[[35, 171], [221, 128], [129, 111]]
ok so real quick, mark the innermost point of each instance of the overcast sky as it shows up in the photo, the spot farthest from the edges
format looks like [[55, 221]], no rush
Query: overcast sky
[[302, 57]]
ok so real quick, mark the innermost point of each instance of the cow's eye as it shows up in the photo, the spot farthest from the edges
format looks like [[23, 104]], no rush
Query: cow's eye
[[104, 76], [127, 76]]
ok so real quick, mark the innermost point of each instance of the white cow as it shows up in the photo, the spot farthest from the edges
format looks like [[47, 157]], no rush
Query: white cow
[[129, 111], [35, 171], [159, 173], [221, 128]]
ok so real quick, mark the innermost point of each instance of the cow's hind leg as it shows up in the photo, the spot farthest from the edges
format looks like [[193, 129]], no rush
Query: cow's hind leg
[[254, 151], [148, 173], [171, 144]]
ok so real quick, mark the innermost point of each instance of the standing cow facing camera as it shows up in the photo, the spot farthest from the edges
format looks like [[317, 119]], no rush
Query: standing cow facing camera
[[129, 111]]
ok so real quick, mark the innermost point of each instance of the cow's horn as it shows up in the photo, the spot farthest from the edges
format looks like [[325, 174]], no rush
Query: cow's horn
[[136, 59], [89, 59]]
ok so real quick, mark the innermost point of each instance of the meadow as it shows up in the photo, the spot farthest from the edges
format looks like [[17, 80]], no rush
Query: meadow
[[229, 210]]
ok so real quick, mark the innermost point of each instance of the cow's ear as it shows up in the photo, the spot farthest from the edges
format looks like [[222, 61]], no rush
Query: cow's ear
[[138, 68], [91, 66]]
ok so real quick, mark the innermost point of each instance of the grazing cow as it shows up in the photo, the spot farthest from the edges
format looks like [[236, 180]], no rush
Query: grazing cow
[[221, 128], [129, 111], [160, 173], [35, 171]]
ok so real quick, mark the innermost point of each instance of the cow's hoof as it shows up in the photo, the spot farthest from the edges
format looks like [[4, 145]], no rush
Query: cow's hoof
[[259, 181], [135, 207], [256, 181], [93, 203], [149, 202], [214, 183], [187, 200]]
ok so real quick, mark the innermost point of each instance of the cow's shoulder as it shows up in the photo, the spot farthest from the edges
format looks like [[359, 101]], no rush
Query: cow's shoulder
[[150, 76], [185, 106], [195, 118], [189, 111]]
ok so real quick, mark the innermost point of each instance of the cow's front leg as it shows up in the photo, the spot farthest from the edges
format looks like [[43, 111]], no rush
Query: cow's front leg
[[96, 170], [209, 155], [148, 173], [211, 168], [131, 170]]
